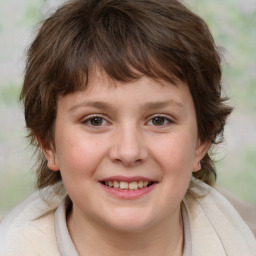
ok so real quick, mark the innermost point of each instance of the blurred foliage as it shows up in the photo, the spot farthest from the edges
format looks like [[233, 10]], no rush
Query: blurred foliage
[[237, 178], [32, 12], [9, 95], [233, 23], [18, 186]]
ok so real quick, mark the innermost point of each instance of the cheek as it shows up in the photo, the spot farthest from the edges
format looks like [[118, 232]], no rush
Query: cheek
[[176, 152], [79, 155]]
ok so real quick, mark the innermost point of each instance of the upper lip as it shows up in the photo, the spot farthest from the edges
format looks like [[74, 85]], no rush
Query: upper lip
[[127, 179]]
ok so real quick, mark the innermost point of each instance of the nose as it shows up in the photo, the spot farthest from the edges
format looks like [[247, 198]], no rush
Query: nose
[[128, 147]]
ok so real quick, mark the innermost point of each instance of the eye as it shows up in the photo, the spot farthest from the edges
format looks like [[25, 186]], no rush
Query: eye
[[159, 121], [95, 121]]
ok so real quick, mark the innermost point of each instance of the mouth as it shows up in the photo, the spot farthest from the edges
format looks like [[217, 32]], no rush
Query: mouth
[[124, 185], [128, 188]]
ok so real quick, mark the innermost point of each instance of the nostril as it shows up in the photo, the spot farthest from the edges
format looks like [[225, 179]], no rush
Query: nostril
[[127, 151]]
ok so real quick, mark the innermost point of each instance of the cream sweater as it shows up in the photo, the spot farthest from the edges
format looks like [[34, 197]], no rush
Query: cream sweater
[[216, 228]]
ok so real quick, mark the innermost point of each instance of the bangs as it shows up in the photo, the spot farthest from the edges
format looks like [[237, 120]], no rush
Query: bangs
[[123, 47]]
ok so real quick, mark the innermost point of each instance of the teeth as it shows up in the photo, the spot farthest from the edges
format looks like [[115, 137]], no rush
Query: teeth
[[110, 183], [140, 184], [116, 184], [133, 185], [145, 183], [128, 185], [124, 185]]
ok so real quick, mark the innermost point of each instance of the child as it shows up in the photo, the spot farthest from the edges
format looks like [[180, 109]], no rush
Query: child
[[123, 101]]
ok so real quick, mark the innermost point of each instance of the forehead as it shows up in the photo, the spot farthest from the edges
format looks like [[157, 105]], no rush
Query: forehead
[[98, 80], [145, 92]]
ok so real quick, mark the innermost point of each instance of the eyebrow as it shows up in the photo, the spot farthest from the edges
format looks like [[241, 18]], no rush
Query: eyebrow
[[162, 104], [146, 107], [95, 104]]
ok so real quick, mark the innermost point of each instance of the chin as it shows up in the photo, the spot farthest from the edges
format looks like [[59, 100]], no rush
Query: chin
[[129, 220]]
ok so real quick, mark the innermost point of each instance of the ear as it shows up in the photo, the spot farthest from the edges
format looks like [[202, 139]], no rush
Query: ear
[[50, 155], [201, 150]]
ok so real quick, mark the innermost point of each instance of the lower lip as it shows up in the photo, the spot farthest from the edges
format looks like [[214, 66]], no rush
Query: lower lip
[[128, 194]]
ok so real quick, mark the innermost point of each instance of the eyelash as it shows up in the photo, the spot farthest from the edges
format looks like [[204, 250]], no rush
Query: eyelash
[[91, 118], [166, 121], [102, 121]]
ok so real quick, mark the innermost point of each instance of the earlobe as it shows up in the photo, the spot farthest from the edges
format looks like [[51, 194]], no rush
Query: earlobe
[[197, 166], [50, 155], [202, 148], [51, 159]]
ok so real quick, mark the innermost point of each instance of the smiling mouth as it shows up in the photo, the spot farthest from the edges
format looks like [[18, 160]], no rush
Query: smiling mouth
[[123, 185]]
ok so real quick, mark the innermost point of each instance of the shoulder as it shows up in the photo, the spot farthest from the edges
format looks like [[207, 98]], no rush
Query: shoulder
[[29, 228], [247, 211], [215, 225]]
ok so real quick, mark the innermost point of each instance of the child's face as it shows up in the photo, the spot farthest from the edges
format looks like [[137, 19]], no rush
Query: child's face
[[136, 132]]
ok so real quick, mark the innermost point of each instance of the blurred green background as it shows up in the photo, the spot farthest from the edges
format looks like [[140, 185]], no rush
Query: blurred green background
[[233, 24]]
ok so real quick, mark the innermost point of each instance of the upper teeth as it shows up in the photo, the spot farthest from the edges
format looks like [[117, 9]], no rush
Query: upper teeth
[[127, 185]]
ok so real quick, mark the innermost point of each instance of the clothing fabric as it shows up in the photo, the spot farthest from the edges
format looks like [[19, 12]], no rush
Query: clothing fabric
[[247, 211], [187, 246], [216, 228], [64, 241], [67, 248]]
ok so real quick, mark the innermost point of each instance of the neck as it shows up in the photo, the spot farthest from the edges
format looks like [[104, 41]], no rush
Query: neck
[[162, 239]]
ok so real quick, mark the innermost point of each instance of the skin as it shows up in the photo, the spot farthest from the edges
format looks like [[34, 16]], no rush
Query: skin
[[144, 128]]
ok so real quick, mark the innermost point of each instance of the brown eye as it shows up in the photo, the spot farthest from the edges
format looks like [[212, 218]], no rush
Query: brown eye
[[158, 120], [96, 121]]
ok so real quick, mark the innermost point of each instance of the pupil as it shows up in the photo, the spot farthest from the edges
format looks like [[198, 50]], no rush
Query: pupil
[[96, 121], [158, 121]]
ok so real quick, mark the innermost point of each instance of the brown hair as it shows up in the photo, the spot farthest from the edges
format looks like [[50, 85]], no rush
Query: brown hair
[[126, 39]]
